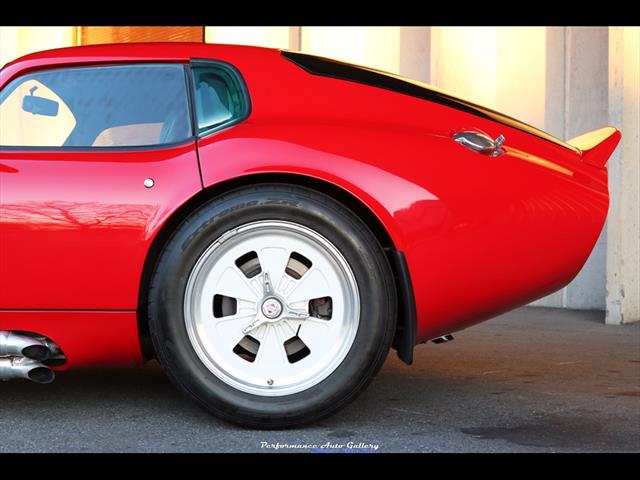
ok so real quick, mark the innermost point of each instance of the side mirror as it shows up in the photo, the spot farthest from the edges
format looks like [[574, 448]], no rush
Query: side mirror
[[39, 105]]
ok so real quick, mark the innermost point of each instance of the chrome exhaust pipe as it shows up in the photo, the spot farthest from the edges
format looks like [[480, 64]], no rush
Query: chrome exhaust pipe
[[22, 367], [15, 345], [443, 339]]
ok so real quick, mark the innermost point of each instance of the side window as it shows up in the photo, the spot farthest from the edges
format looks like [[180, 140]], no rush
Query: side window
[[220, 97], [113, 106]]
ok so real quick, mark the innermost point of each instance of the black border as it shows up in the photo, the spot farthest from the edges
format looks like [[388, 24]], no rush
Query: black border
[[497, 13]]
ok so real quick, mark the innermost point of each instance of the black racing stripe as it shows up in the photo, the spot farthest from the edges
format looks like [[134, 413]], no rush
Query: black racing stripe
[[368, 76]]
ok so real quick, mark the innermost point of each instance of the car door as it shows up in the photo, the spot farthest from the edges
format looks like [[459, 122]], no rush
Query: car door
[[94, 159]]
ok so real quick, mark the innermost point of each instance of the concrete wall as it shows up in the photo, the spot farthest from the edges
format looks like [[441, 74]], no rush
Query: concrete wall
[[274, 37], [576, 102], [18, 41], [623, 226]]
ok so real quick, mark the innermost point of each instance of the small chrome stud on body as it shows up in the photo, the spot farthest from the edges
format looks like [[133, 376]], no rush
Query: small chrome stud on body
[[148, 182]]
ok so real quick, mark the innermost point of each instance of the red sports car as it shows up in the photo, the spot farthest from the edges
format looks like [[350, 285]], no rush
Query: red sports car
[[267, 223]]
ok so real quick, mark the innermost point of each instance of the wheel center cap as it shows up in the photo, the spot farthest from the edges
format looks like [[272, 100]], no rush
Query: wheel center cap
[[271, 308]]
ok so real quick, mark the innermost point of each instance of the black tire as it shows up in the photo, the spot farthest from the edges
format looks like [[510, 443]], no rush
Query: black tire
[[272, 202]]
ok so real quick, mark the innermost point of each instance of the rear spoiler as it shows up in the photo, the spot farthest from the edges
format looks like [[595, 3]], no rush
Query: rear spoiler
[[597, 146]]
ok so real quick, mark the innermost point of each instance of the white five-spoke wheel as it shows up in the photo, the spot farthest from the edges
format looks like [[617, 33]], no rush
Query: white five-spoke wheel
[[271, 308]]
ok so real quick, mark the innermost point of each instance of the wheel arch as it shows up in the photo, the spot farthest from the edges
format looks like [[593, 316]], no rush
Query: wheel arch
[[404, 339]]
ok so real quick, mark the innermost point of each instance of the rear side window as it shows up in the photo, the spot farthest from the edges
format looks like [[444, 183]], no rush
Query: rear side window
[[220, 97], [111, 106]]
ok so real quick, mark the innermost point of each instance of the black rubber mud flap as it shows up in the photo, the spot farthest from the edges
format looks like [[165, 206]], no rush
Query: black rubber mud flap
[[405, 338]]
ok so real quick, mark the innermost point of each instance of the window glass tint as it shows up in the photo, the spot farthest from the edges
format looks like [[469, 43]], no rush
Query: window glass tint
[[219, 97], [114, 106]]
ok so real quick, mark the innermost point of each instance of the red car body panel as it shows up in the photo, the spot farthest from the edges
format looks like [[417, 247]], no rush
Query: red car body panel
[[481, 234], [75, 242], [88, 338], [85, 224]]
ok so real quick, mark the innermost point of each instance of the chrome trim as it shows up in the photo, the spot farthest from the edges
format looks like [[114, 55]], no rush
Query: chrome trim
[[480, 142], [27, 368], [15, 345]]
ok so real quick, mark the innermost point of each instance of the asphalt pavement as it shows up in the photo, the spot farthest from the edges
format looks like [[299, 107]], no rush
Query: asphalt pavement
[[533, 380]]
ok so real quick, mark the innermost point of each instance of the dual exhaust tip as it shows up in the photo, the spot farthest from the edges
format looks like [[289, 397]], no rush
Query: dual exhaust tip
[[21, 356], [23, 367]]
